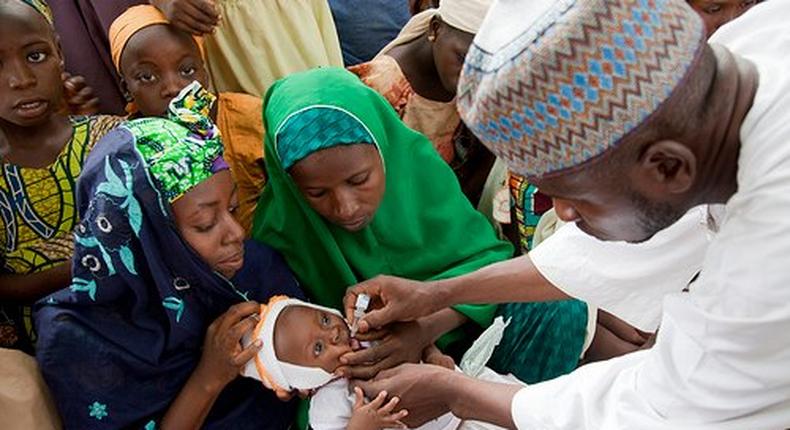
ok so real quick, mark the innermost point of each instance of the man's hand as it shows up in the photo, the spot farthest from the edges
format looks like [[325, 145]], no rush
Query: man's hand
[[421, 388], [393, 299], [193, 16]]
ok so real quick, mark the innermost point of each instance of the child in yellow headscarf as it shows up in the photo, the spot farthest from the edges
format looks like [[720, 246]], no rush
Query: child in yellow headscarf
[[156, 61]]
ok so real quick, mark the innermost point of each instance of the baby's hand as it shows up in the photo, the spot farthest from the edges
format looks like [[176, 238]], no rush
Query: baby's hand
[[376, 415]]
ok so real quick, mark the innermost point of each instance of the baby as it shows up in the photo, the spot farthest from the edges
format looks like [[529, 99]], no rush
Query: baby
[[302, 346]]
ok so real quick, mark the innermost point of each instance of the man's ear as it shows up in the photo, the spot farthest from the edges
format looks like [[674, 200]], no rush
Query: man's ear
[[665, 168]]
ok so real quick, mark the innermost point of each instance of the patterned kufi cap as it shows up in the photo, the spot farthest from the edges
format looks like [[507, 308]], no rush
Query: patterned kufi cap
[[551, 84]]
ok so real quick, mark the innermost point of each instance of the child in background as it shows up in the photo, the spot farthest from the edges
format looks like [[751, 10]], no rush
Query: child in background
[[147, 336], [302, 346], [156, 60], [252, 43], [46, 152]]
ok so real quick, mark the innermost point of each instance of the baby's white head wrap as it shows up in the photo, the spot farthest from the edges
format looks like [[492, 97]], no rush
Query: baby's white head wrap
[[266, 367]]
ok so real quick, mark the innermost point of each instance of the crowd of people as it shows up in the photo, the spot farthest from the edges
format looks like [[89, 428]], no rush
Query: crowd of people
[[370, 214]]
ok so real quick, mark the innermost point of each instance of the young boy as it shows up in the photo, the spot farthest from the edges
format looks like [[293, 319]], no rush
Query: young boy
[[46, 150], [302, 346]]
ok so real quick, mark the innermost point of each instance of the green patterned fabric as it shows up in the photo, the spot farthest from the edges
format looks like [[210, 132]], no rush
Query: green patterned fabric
[[305, 132], [182, 152], [41, 7], [543, 340]]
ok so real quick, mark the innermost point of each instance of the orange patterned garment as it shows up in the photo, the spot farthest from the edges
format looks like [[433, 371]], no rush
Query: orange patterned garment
[[436, 120]]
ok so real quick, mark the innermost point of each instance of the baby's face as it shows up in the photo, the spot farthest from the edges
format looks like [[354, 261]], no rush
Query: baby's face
[[310, 337]]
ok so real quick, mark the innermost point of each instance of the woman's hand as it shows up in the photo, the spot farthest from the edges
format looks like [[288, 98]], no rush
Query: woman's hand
[[223, 355], [378, 414], [80, 98], [401, 342], [193, 16], [393, 299]]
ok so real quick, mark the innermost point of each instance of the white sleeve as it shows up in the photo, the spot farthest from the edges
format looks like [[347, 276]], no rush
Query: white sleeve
[[330, 407], [627, 280], [721, 360]]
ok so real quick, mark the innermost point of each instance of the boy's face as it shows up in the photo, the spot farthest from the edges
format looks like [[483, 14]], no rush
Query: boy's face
[[311, 337], [204, 218], [157, 63], [31, 88]]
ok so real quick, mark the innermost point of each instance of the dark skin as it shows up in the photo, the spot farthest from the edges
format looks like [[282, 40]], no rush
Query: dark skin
[[312, 338], [432, 64], [697, 166], [715, 13], [35, 94], [204, 218], [192, 16], [156, 64], [345, 185]]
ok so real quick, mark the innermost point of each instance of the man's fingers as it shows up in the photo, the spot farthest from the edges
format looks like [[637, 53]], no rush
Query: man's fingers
[[372, 335], [370, 355], [370, 388], [241, 328], [376, 319]]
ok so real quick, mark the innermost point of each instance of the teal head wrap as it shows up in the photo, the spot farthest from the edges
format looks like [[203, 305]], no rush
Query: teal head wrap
[[316, 128]]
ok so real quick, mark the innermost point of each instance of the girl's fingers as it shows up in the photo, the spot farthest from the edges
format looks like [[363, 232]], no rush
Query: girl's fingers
[[390, 406], [247, 354]]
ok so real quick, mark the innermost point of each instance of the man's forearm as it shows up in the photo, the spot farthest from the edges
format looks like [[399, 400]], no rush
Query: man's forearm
[[473, 399], [515, 280]]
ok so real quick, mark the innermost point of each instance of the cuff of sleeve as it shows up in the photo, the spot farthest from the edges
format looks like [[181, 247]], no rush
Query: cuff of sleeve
[[520, 411]]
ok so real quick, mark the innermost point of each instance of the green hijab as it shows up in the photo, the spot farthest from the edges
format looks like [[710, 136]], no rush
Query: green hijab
[[425, 228]]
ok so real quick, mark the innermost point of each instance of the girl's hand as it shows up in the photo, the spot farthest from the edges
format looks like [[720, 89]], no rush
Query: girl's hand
[[80, 98], [377, 414], [401, 342], [192, 16], [223, 356]]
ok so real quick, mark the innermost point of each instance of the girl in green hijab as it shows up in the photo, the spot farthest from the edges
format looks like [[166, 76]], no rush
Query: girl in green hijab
[[354, 193]]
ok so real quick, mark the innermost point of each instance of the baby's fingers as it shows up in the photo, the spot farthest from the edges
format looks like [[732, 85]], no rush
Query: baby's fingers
[[376, 403], [359, 398], [389, 407], [394, 420]]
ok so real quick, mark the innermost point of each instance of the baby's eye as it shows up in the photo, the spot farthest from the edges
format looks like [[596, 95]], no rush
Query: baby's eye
[[324, 320], [318, 348]]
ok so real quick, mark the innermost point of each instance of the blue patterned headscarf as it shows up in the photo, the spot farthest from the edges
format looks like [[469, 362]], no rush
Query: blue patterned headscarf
[[117, 346]]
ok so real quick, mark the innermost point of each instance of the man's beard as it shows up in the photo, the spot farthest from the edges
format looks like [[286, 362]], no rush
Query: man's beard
[[652, 217]]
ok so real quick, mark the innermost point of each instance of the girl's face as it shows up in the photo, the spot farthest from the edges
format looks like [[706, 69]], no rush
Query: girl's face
[[157, 63], [450, 46], [715, 13], [344, 184], [31, 65], [204, 217]]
